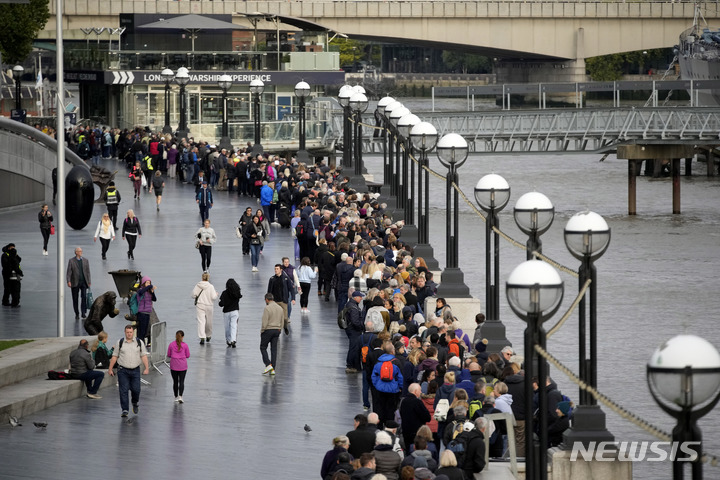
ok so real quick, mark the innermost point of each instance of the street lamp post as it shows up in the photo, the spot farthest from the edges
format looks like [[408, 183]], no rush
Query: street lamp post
[[19, 113], [424, 137], [225, 82], [401, 199], [683, 376], [392, 173], [182, 77], [381, 121], [452, 150], [409, 230], [358, 105], [346, 91], [534, 214], [534, 291], [168, 76], [257, 87], [302, 91], [587, 237], [492, 193]]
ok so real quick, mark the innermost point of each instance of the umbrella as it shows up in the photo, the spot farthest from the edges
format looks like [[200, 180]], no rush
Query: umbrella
[[192, 24]]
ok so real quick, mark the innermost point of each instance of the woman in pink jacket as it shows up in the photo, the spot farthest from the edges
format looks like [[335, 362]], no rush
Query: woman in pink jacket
[[178, 352]]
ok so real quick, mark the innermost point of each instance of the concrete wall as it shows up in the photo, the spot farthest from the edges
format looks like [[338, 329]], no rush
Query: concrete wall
[[535, 28], [27, 158]]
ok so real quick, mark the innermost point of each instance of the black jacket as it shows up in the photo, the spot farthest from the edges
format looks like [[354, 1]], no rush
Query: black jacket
[[278, 286], [229, 301], [414, 415], [362, 440], [474, 460], [325, 261]]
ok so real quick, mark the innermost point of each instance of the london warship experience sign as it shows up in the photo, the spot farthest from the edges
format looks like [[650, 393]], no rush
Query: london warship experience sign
[[207, 77]]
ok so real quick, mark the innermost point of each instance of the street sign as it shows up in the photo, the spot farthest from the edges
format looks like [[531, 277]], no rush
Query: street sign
[[18, 115]]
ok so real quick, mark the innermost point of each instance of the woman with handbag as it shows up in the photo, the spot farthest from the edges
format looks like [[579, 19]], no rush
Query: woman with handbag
[[106, 232], [266, 227], [131, 230], [204, 294], [46, 227], [254, 232]]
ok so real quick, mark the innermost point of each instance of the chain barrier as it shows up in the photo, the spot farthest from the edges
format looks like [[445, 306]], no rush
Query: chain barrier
[[572, 308], [616, 407]]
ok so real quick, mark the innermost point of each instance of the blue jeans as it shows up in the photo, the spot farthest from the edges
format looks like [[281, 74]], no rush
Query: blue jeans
[[204, 213], [342, 298], [254, 254], [231, 321], [353, 355], [92, 379], [128, 379]]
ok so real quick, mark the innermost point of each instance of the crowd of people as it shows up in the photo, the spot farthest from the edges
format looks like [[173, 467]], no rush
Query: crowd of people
[[426, 384]]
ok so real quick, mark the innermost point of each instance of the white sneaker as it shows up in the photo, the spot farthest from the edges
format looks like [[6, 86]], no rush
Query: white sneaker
[[177, 399], [255, 269], [268, 369], [180, 400], [45, 252], [272, 371]]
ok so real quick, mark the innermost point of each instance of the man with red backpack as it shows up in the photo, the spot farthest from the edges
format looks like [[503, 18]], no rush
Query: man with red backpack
[[388, 382]]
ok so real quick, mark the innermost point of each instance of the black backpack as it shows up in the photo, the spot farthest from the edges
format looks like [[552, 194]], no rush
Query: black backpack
[[102, 359], [342, 317]]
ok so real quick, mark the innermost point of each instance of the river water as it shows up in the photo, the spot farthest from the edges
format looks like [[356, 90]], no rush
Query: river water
[[657, 279]]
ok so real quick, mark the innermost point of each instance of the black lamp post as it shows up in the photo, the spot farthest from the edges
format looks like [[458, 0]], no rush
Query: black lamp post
[[534, 214], [452, 150], [382, 122], [168, 76], [358, 105], [392, 173], [346, 91], [534, 291], [409, 230], [683, 376], [587, 236], [400, 197], [182, 77], [225, 82], [492, 193], [424, 137], [302, 91], [257, 87], [19, 113]]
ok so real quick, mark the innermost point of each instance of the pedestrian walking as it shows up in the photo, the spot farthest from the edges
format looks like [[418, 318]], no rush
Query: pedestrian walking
[[273, 320], [78, 279], [280, 286], [254, 234], [129, 353], [158, 184], [306, 274], [229, 300], [106, 232], [12, 276], [131, 231], [204, 294], [136, 176], [245, 219], [178, 352], [204, 200], [145, 297], [205, 236], [45, 218], [266, 227], [112, 201]]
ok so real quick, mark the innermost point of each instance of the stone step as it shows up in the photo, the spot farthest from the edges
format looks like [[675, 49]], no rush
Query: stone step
[[34, 394], [36, 358]]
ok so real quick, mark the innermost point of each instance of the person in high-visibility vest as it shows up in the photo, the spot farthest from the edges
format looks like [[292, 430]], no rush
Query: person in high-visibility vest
[[112, 201]]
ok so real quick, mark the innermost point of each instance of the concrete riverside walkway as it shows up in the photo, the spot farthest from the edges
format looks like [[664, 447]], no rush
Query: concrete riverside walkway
[[235, 421]]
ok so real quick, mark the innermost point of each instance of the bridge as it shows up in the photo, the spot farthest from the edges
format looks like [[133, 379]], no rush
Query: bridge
[[542, 31]]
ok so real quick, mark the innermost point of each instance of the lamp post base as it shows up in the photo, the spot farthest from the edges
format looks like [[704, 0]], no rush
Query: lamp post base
[[167, 129], [357, 182], [494, 331], [452, 284], [183, 134], [257, 149], [409, 235], [426, 251], [302, 156], [225, 143], [588, 426]]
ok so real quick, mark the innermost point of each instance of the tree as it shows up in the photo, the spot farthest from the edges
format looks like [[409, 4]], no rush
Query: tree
[[612, 67], [355, 50], [466, 62], [19, 26]]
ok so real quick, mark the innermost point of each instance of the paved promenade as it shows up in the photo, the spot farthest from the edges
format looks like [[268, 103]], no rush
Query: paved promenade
[[235, 421]]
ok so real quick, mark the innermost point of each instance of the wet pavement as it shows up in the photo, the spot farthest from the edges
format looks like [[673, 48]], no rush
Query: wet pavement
[[234, 421]]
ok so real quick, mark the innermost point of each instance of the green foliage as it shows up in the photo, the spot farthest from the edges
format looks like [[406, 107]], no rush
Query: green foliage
[[19, 26], [608, 68], [355, 50], [466, 62]]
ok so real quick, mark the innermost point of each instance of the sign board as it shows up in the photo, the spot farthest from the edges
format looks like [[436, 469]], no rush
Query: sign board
[[18, 115], [71, 118]]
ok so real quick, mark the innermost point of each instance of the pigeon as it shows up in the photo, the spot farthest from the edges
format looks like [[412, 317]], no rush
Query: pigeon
[[14, 422], [40, 424], [307, 428]]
